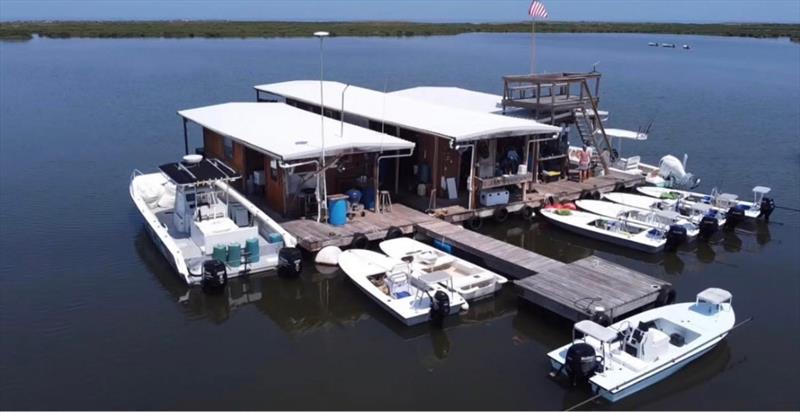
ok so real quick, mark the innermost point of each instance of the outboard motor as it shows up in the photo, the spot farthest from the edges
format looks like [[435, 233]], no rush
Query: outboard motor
[[290, 261], [767, 206], [734, 216], [675, 236], [708, 226], [215, 275], [580, 362], [440, 307]]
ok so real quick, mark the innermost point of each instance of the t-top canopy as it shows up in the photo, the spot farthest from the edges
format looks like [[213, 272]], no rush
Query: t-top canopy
[[599, 332], [289, 133], [424, 116], [715, 296], [206, 170]]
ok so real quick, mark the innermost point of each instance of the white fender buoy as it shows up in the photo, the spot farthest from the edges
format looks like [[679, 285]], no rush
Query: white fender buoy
[[329, 255]]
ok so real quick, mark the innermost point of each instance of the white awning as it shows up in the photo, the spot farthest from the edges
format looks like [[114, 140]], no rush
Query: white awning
[[413, 114], [289, 133], [599, 332]]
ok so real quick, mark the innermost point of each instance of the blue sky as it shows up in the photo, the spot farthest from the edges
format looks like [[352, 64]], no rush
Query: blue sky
[[784, 11]]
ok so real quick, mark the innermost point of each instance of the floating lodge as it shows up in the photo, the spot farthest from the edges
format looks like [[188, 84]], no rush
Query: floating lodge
[[422, 159]]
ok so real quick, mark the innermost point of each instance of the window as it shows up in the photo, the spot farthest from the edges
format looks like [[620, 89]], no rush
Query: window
[[227, 147], [273, 169]]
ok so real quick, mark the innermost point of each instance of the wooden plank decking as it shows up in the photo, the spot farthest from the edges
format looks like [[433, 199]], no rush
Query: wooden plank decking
[[313, 236], [571, 290], [511, 260], [561, 191]]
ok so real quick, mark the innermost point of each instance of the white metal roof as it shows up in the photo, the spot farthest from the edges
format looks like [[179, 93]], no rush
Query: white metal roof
[[421, 115], [455, 97], [287, 132], [467, 100]]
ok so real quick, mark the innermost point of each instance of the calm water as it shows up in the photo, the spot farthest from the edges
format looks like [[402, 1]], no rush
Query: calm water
[[91, 317]]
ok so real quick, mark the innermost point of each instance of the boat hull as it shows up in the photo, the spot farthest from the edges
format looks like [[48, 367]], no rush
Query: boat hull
[[612, 396], [470, 281], [359, 264], [605, 237]]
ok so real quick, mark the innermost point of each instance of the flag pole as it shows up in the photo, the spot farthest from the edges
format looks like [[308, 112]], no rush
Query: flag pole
[[533, 45]]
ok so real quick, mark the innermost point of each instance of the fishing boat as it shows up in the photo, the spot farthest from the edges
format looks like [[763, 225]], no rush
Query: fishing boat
[[707, 218], [669, 221], [668, 45], [652, 44], [206, 230], [686, 47], [388, 281], [736, 209], [635, 353], [471, 281], [613, 230]]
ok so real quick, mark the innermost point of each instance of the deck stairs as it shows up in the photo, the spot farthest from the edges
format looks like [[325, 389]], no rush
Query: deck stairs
[[590, 128]]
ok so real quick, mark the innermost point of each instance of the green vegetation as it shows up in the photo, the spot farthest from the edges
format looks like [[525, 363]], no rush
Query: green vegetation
[[242, 29]]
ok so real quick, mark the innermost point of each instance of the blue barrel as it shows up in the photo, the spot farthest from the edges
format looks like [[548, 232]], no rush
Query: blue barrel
[[274, 238], [424, 173], [220, 253], [354, 195], [252, 248], [369, 198], [337, 212], [234, 254]]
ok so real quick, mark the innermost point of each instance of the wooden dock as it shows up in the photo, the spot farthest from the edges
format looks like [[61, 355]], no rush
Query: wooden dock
[[514, 261], [571, 290], [560, 191], [313, 236]]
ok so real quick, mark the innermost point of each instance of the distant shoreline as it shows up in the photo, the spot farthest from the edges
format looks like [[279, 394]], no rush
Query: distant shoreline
[[254, 29]]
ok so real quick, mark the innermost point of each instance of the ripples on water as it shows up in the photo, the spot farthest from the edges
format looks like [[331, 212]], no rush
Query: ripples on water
[[91, 315]]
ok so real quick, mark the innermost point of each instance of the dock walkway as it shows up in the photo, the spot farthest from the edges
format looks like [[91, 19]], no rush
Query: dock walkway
[[313, 236], [571, 290], [561, 191], [512, 260]]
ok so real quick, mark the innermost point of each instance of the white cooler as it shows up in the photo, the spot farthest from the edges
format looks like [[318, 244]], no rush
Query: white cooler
[[494, 197]]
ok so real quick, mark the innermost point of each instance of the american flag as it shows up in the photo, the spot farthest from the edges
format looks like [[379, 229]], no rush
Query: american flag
[[537, 10]]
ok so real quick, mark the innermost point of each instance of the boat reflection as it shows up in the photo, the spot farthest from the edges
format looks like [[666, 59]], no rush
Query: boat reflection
[[550, 241], [321, 297]]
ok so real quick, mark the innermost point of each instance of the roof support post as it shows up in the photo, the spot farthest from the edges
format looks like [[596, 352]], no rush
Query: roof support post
[[185, 137], [471, 178], [377, 172]]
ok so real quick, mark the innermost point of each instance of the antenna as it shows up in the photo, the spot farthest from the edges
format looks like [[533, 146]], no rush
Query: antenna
[[341, 113], [383, 116]]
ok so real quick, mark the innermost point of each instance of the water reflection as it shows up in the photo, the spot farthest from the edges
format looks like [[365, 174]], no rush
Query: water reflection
[[321, 297], [548, 240]]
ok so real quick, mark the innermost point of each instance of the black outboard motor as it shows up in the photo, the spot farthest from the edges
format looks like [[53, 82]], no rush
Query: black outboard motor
[[580, 362], [440, 307], [675, 236], [708, 226], [215, 275], [734, 216], [767, 206], [290, 261]]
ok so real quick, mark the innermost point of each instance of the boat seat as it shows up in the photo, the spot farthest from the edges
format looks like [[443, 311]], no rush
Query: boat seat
[[461, 281], [628, 361]]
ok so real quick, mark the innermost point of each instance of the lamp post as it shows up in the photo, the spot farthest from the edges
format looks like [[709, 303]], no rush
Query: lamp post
[[321, 35]]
